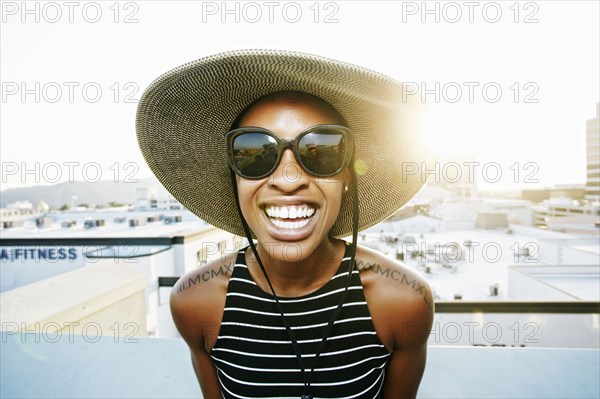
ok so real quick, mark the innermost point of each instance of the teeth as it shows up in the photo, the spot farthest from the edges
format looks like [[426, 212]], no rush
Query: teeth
[[290, 225], [290, 212]]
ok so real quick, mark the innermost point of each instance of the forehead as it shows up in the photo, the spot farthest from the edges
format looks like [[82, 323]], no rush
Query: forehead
[[290, 113]]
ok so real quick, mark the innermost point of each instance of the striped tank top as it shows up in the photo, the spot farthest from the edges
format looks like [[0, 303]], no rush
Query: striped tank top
[[254, 356]]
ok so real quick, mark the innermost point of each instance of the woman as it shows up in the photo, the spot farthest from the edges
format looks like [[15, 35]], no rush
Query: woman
[[293, 150]]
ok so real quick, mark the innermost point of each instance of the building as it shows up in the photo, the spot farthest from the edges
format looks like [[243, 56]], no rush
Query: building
[[492, 220], [556, 213], [148, 199], [17, 213], [517, 211], [563, 208], [168, 203], [159, 246], [592, 186], [538, 195]]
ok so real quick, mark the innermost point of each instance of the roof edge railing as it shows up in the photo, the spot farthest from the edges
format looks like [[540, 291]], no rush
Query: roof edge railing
[[517, 306], [491, 306]]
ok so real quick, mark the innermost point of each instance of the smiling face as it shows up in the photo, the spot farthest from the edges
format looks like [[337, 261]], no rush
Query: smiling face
[[291, 206]]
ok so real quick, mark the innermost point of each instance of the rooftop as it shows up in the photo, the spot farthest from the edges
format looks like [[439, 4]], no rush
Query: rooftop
[[116, 225], [469, 262]]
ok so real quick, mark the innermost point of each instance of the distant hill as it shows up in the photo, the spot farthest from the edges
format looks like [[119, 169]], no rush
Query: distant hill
[[98, 193]]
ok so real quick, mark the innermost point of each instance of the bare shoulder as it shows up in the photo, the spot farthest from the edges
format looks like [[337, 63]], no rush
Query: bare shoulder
[[198, 299], [403, 283], [202, 280], [397, 295]]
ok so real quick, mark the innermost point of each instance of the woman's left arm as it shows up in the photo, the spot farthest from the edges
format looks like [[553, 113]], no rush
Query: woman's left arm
[[410, 321], [407, 364], [402, 309]]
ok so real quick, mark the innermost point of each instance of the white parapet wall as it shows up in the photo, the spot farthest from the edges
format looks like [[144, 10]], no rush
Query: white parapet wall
[[554, 283], [103, 299]]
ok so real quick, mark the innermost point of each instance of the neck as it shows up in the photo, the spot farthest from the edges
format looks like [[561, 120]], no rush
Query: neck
[[293, 274]]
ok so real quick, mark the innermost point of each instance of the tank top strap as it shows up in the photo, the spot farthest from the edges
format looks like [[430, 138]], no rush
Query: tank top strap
[[240, 269]]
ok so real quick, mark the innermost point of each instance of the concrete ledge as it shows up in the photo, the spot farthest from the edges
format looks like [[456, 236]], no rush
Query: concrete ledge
[[117, 367], [106, 297], [477, 372]]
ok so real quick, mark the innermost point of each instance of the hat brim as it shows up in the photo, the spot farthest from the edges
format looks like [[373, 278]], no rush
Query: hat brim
[[184, 114]]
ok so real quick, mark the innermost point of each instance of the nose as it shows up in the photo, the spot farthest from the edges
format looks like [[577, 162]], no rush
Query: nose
[[289, 176]]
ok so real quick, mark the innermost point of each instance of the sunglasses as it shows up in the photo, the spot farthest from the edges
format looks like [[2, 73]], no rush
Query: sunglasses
[[321, 150]]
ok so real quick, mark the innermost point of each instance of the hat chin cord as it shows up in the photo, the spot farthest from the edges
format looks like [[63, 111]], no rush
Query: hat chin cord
[[306, 377]]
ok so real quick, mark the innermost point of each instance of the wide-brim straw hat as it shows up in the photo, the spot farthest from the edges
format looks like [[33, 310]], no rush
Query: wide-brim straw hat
[[183, 116]]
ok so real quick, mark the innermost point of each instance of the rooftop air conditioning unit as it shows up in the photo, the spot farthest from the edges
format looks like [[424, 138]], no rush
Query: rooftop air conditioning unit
[[43, 222], [88, 224]]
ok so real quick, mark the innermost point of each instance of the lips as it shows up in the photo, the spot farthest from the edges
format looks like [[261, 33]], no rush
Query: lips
[[290, 217]]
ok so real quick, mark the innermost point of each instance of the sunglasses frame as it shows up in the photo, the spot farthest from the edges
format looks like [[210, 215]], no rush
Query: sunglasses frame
[[283, 144]]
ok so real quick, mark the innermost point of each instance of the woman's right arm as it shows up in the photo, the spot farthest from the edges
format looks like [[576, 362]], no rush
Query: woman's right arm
[[197, 303]]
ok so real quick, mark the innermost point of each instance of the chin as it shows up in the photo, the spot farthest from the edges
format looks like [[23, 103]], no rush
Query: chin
[[291, 250]]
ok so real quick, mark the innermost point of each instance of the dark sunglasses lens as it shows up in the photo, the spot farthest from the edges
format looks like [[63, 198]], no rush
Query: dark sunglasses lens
[[255, 154], [322, 154]]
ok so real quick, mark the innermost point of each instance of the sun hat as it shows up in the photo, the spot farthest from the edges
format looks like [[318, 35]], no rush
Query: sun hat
[[183, 116]]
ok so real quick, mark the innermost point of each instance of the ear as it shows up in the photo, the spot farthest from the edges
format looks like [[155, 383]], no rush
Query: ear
[[346, 179]]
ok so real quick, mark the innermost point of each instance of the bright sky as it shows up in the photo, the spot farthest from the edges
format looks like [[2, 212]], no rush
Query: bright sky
[[515, 81]]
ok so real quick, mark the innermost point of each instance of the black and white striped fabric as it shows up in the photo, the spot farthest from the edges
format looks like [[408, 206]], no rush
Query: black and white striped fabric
[[254, 356]]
